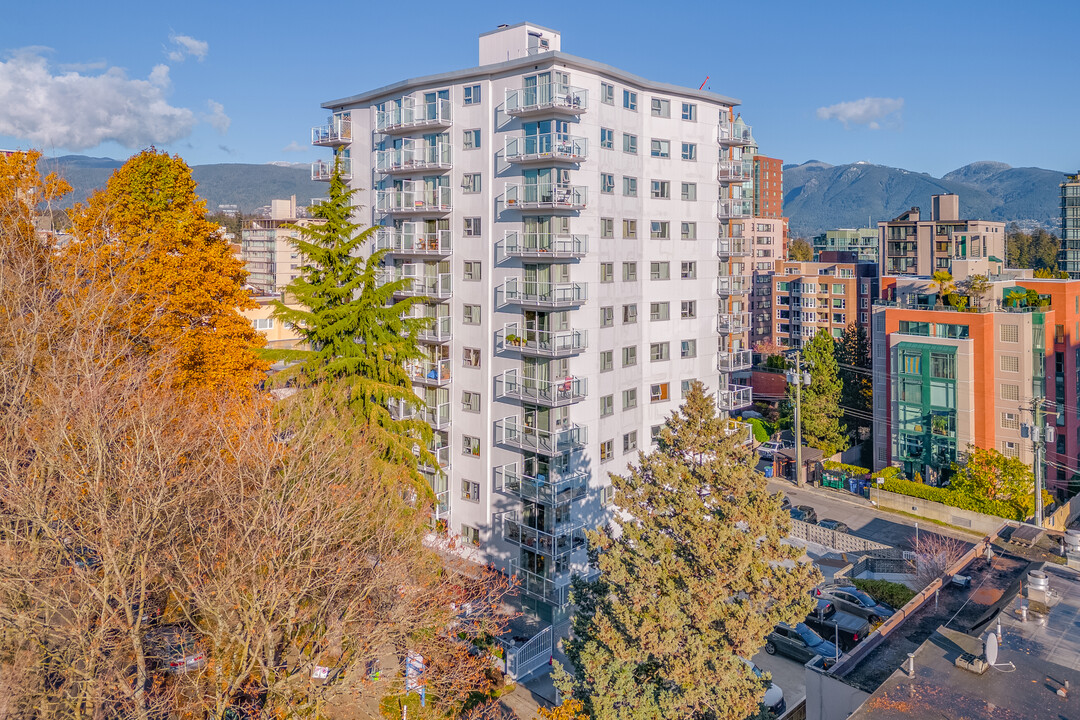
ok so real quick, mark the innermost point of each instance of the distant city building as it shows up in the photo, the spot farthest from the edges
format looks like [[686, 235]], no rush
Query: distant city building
[[861, 241], [266, 247], [766, 242], [228, 210], [1069, 257], [824, 296], [909, 245], [768, 187]]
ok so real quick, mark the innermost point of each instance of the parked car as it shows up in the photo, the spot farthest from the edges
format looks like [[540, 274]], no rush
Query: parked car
[[768, 449], [175, 649], [856, 602], [834, 525], [800, 643], [848, 629], [785, 503], [804, 513], [774, 697]]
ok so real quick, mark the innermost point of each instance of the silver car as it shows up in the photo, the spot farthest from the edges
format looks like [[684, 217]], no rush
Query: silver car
[[175, 650]]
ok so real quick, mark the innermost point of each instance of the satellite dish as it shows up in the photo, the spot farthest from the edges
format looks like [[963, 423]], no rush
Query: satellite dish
[[991, 649]]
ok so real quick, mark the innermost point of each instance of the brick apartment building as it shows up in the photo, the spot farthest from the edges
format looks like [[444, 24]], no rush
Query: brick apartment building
[[824, 296]]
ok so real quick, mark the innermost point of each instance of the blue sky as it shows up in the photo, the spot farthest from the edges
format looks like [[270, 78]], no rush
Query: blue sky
[[928, 86]]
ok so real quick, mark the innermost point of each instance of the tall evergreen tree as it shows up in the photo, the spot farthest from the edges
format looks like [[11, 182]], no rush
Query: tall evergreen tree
[[853, 368], [821, 411], [692, 575], [357, 333]]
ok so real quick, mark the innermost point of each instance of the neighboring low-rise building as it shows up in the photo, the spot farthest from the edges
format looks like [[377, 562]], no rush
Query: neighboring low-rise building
[[267, 247], [909, 245], [861, 241], [278, 334], [825, 296]]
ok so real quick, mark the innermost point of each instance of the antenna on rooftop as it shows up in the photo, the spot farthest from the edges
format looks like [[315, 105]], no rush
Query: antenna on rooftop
[[705, 81], [992, 653]]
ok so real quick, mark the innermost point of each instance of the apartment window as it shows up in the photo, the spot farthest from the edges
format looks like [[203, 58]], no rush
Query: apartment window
[[472, 94], [607, 183], [470, 491], [689, 191], [659, 230], [607, 227], [689, 309], [660, 148], [607, 316], [689, 151], [629, 186], [688, 270], [472, 227], [659, 352], [470, 183], [607, 272], [470, 401], [659, 311], [689, 112], [839, 303], [688, 230], [1010, 449], [607, 360], [1010, 392], [629, 399], [685, 388], [629, 314], [660, 270], [607, 139], [607, 450], [471, 270], [607, 405], [629, 271], [607, 94], [629, 441], [689, 348], [470, 535], [629, 100], [661, 190], [470, 446], [1010, 420], [264, 323], [838, 289], [470, 315], [471, 357], [629, 356], [658, 392], [660, 107], [629, 229], [654, 433], [1010, 363], [1010, 333], [629, 143], [472, 139]]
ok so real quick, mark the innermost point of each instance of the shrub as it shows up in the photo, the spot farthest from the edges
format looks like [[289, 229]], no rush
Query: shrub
[[890, 593], [845, 468], [762, 430], [948, 497]]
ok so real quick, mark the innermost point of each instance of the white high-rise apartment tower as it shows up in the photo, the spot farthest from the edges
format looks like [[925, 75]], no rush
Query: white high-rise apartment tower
[[575, 231]]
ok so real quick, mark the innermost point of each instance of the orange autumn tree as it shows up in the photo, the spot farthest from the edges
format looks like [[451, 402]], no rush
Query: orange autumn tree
[[147, 230]]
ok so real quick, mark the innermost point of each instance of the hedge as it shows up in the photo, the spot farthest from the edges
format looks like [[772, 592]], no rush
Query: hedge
[[953, 499], [761, 429], [890, 593], [845, 468]]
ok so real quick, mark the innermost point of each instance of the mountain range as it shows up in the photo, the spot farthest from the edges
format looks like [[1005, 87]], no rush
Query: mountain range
[[819, 196]]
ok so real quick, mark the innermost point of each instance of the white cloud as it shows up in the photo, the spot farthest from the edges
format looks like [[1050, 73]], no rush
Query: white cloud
[[187, 45], [76, 111], [869, 111], [295, 147], [217, 117]]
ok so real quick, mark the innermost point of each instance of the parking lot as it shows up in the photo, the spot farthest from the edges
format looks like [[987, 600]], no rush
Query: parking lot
[[787, 673]]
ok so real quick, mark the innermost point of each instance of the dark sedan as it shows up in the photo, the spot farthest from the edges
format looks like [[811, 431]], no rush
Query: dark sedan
[[805, 513], [800, 643]]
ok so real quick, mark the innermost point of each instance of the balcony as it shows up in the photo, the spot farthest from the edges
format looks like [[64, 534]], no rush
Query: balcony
[[732, 323], [733, 247], [546, 148], [402, 410], [410, 115], [442, 460], [559, 489], [438, 417], [560, 539], [548, 98], [546, 196], [742, 431], [729, 361], [417, 284], [553, 590], [512, 431], [410, 239], [431, 373], [731, 171], [415, 156], [728, 285], [733, 209], [337, 132], [542, 295], [734, 397], [323, 170], [544, 246], [549, 393], [437, 329], [426, 200], [541, 343], [731, 133]]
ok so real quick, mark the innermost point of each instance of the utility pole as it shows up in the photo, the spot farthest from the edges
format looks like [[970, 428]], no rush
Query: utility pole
[[798, 378], [1040, 435]]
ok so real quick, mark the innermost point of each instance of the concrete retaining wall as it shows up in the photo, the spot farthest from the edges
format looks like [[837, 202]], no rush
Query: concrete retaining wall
[[833, 539], [976, 522]]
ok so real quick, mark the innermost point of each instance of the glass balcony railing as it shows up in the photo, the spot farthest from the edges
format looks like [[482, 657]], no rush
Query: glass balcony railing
[[558, 489], [546, 97], [544, 245], [729, 209], [541, 343], [546, 195], [418, 284], [413, 240], [732, 285], [322, 170], [561, 539], [549, 393], [734, 397], [742, 431], [734, 171], [437, 416], [421, 200], [734, 360], [437, 329], [411, 115], [441, 456], [732, 247], [731, 133], [546, 147], [732, 323], [513, 432], [402, 410], [338, 131], [552, 588], [434, 373], [415, 156], [543, 294]]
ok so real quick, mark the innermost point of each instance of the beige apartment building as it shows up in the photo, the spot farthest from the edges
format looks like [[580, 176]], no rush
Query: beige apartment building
[[824, 296], [909, 245]]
